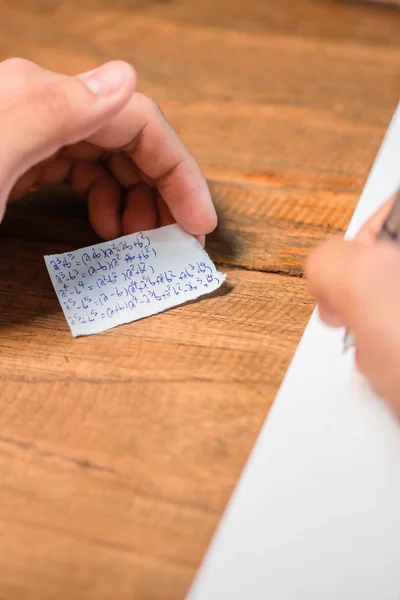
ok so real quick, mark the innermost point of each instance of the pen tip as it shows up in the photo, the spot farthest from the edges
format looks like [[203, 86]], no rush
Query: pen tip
[[348, 342]]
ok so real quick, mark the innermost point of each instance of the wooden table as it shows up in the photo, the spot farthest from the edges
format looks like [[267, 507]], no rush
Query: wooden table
[[119, 452]]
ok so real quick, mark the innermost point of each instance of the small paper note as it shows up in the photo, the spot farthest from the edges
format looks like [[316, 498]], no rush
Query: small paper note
[[132, 277]]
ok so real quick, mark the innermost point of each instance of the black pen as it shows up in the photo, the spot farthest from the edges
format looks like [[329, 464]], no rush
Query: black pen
[[391, 232]]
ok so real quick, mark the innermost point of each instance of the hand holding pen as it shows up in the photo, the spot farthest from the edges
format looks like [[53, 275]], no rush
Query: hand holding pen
[[390, 232], [357, 286]]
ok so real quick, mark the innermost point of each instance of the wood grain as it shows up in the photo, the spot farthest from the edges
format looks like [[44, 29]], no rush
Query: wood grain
[[235, 96], [119, 452]]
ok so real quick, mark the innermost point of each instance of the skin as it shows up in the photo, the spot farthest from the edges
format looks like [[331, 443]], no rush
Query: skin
[[357, 285], [125, 158]]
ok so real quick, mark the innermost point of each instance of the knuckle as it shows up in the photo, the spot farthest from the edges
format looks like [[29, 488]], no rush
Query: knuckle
[[149, 114], [150, 106], [16, 65]]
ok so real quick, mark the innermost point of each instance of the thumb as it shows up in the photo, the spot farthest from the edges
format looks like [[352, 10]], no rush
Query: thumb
[[360, 285], [59, 114]]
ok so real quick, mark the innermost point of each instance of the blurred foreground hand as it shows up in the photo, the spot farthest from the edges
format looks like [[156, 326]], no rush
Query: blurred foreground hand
[[357, 285]]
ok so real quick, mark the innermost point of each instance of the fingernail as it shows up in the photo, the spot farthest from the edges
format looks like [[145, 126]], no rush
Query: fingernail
[[104, 81], [201, 239]]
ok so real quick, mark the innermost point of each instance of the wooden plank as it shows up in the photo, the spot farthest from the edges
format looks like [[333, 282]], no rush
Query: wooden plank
[[283, 133], [199, 63], [259, 228], [28, 304], [329, 19], [118, 452]]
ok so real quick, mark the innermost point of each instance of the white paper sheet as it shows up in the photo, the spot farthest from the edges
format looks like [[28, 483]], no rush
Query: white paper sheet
[[130, 278], [316, 513]]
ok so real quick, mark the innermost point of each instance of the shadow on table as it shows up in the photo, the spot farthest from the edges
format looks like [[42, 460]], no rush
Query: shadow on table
[[46, 222], [221, 243]]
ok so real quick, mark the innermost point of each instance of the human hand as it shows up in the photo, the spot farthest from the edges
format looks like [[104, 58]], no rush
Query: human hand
[[357, 286], [110, 144]]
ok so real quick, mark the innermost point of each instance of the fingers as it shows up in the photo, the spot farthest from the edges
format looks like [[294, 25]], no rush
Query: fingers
[[144, 133], [140, 212], [48, 117], [361, 285], [83, 151], [367, 235], [59, 114], [104, 201], [333, 272], [24, 184], [54, 172], [92, 180], [123, 169], [369, 232], [166, 217]]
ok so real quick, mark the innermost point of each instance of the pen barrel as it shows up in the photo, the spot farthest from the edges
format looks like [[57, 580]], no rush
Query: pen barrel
[[391, 227], [387, 235]]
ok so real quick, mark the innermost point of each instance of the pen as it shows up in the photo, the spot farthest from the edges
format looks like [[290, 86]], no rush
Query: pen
[[390, 231]]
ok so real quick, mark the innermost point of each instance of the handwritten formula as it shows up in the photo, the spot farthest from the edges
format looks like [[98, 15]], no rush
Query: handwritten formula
[[130, 278]]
